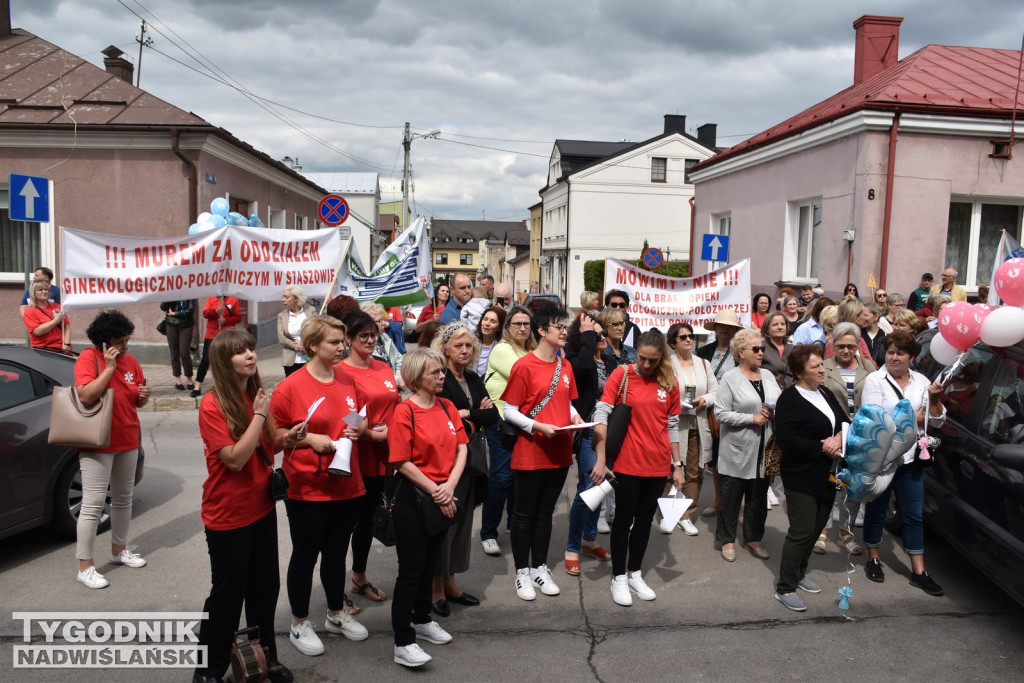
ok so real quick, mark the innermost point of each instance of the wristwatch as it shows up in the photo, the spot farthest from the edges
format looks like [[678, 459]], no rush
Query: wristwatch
[[676, 464]]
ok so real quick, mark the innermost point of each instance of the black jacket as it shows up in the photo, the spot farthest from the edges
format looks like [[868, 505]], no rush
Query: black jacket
[[799, 430], [584, 370], [478, 417], [183, 311]]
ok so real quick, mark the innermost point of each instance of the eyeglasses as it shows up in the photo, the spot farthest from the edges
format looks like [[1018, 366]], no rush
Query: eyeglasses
[[621, 323], [757, 349], [620, 304], [683, 337], [560, 327], [846, 347], [437, 374], [520, 325], [367, 337]]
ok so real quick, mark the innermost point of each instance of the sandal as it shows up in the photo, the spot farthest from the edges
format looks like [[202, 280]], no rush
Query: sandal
[[368, 590], [350, 606], [598, 552], [819, 545], [847, 542], [572, 567]]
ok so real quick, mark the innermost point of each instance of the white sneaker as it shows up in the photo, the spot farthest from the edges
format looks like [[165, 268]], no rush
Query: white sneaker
[[128, 559], [688, 527], [305, 639], [432, 633], [860, 517], [602, 526], [491, 546], [92, 578], [772, 498], [542, 580], [664, 527], [636, 585], [620, 591], [345, 624], [411, 655], [524, 586]]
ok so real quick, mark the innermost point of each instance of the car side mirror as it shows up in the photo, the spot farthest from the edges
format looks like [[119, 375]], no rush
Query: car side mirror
[[1009, 455]]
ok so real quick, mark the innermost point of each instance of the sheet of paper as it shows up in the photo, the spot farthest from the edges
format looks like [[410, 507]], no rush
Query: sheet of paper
[[353, 419], [573, 428], [312, 409], [674, 507]]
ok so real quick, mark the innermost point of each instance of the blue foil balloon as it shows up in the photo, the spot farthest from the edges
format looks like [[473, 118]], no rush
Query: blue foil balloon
[[219, 206], [876, 439], [255, 222], [218, 221], [235, 218]]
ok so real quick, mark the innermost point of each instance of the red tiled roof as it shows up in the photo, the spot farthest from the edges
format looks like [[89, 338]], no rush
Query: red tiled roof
[[40, 79], [937, 79]]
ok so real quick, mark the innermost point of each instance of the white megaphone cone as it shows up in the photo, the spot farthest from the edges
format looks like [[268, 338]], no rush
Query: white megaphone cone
[[596, 494], [341, 465]]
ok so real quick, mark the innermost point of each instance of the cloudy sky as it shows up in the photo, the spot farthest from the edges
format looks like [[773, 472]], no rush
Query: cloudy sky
[[502, 79]]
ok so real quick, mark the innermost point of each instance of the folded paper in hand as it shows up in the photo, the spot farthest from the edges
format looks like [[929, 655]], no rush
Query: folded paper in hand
[[674, 506]]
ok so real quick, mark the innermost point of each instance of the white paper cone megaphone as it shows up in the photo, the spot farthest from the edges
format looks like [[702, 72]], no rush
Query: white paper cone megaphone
[[341, 465], [596, 494]]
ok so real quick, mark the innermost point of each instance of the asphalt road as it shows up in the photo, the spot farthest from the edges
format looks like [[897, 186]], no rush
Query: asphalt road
[[711, 621]]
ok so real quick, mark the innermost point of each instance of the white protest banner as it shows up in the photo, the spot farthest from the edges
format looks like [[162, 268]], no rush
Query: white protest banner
[[659, 301], [249, 263], [400, 276]]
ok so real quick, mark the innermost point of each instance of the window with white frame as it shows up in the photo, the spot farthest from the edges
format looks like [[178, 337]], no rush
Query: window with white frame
[[803, 240], [277, 218], [972, 236], [300, 222], [465, 259], [721, 224], [41, 242], [441, 259]]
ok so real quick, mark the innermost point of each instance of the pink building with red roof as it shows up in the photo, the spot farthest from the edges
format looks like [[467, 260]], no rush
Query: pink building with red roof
[[909, 170]]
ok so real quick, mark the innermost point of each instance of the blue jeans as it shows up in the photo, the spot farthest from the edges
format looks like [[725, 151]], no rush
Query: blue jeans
[[583, 522], [909, 486], [499, 487]]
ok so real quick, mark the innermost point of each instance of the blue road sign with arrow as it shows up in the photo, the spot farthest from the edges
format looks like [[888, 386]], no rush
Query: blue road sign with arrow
[[714, 247], [29, 198]]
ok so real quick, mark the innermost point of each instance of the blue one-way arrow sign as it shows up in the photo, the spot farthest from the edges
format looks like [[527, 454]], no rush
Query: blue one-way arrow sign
[[29, 198], [714, 247]]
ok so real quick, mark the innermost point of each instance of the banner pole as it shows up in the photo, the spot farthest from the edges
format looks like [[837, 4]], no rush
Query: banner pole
[[337, 271]]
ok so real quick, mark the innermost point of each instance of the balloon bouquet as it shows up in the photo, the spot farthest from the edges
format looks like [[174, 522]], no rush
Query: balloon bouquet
[[218, 216], [878, 439]]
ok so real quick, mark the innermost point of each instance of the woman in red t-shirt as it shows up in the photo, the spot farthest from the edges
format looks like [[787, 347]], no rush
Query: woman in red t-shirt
[[108, 365], [432, 311], [221, 313], [43, 320], [322, 507], [239, 438], [650, 451], [378, 386], [427, 446], [542, 454]]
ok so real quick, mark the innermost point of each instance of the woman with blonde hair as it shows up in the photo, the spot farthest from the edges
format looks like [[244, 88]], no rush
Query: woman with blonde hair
[[45, 320], [908, 322], [613, 320], [289, 326], [849, 310], [459, 346]]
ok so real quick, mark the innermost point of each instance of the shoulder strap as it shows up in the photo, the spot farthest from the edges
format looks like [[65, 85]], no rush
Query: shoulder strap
[[551, 392], [263, 452], [725, 357], [623, 385], [894, 387]]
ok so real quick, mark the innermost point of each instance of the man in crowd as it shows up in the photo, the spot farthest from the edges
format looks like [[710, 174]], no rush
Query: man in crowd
[[807, 297], [503, 295], [487, 282], [919, 296], [462, 292], [948, 288]]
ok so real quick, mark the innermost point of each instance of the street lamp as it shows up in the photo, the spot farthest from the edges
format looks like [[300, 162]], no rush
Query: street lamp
[[407, 139]]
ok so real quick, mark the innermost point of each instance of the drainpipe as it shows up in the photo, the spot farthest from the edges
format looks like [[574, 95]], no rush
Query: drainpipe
[[890, 179], [693, 218], [568, 251], [193, 176]]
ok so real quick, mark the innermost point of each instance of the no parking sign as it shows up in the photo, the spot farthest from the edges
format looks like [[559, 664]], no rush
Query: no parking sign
[[333, 210]]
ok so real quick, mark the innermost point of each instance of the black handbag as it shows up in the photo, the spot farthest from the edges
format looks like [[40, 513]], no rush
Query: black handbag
[[383, 521], [618, 422], [278, 480], [509, 432], [161, 327], [476, 454], [509, 435]]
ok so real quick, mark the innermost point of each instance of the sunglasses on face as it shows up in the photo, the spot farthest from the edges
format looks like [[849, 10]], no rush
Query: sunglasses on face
[[846, 347], [618, 304], [880, 296], [684, 337], [757, 349]]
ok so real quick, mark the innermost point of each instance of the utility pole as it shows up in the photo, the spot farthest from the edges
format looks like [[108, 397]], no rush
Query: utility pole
[[407, 145], [143, 41]]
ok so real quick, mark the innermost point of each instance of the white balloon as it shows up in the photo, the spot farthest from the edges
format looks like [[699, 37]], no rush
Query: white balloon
[[203, 217], [1003, 327], [941, 350]]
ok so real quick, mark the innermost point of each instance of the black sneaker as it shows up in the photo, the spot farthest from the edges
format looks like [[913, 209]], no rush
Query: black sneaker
[[873, 569], [926, 583]]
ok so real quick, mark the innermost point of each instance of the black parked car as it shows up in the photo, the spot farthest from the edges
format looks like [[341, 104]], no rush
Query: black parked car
[[39, 484], [974, 490]]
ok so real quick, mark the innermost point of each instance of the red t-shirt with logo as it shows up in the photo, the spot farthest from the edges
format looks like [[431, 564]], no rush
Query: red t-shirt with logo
[[432, 446], [232, 314], [306, 469], [126, 380], [231, 500], [378, 386], [528, 384], [645, 451], [34, 317]]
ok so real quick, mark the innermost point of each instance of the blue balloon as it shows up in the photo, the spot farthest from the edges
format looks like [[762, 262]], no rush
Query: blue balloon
[[219, 206], [218, 221], [877, 438], [235, 218], [255, 222], [193, 229]]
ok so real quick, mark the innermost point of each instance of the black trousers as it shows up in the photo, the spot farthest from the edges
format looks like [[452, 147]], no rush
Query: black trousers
[[807, 517], [318, 529], [362, 535], [204, 362], [244, 569], [755, 509], [412, 596], [636, 499], [536, 494]]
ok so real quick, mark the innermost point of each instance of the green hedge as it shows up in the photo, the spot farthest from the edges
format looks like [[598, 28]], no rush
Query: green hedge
[[593, 271]]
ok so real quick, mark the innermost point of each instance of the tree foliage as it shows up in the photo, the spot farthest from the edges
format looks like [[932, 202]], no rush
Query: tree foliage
[[593, 271]]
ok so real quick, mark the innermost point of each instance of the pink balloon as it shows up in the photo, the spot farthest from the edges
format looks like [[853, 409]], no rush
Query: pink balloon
[[981, 310], [1009, 281], [960, 324]]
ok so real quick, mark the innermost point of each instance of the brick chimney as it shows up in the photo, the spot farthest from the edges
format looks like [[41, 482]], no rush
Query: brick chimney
[[707, 135], [116, 64], [876, 46], [5, 18], [674, 123]]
